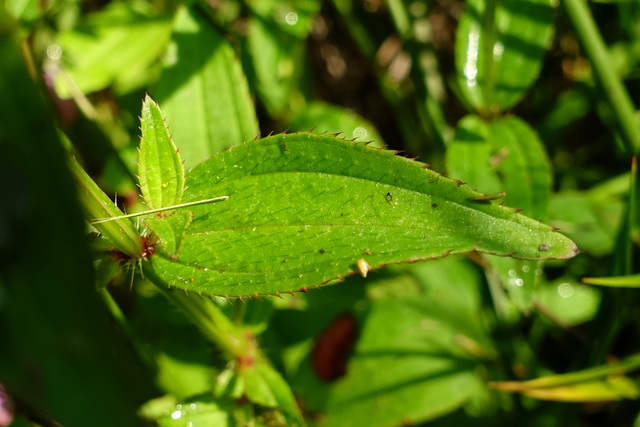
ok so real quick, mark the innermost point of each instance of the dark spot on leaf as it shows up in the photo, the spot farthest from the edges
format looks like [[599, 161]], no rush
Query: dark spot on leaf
[[544, 248], [333, 347], [434, 205], [321, 251], [389, 197]]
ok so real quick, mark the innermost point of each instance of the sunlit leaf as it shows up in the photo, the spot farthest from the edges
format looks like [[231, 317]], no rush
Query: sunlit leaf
[[204, 90], [160, 168], [631, 281], [114, 46], [202, 411], [499, 50], [505, 156], [303, 209]]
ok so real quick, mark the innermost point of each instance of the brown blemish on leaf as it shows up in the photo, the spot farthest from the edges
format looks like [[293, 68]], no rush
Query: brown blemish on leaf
[[333, 347]]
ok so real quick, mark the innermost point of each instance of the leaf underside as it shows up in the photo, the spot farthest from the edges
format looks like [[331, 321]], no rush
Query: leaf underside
[[303, 209]]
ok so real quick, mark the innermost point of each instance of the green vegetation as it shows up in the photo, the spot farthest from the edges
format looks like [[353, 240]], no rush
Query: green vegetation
[[165, 264]]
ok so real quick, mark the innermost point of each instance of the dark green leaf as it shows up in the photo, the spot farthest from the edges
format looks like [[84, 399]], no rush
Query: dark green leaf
[[277, 58], [409, 365], [61, 356]]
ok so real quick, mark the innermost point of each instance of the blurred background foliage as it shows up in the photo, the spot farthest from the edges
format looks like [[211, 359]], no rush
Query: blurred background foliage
[[534, 98]]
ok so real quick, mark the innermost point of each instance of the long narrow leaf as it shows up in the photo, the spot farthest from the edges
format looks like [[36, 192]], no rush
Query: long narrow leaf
[[306, 209]]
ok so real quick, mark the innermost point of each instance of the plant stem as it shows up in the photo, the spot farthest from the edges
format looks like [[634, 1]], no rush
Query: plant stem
[[631, 363], [205, 315], [605, 76], [121, 232]]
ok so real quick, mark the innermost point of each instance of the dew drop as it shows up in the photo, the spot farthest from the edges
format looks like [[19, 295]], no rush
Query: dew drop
[[291, 18], [176, 415], [471, 66], [565, 290], [513, 273], [525, 268], [54, 52], [519, 282], [498, 50], [360, 132]]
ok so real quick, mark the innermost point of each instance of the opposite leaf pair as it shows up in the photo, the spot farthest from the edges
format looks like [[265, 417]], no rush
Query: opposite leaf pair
[[308, 209]]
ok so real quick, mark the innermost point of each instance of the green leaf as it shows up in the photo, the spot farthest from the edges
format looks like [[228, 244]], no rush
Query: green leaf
[[114, 46], [304, 209], [160, 168], [631, 281], [266, 387], [592, 221], [569, 302], [608, 389], [26, 11], [204, 91], [410, 365], [171, 232], [58, 338], [323, 117], [505, 156], [106, 269], [276, 46], [277, 58], [469, 155], [292, 16], [203, 411], [623, 260], [522, 162], [499, 50], [601, 383]]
